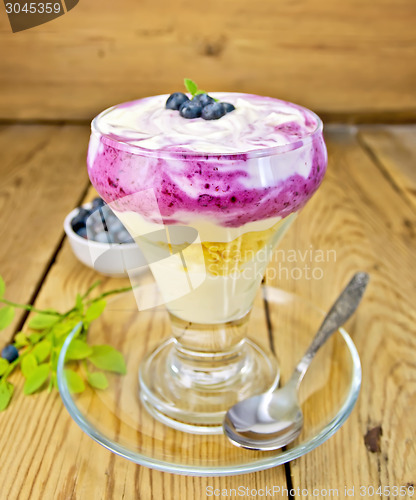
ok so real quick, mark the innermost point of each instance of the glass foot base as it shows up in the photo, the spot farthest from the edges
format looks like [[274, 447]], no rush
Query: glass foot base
[[199, 405]]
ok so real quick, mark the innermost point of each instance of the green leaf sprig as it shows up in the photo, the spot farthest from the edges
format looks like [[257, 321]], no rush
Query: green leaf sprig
[[39, 347], [193, 88]]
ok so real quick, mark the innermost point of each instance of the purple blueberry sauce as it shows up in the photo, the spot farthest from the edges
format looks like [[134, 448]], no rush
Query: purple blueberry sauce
[[277, 174]]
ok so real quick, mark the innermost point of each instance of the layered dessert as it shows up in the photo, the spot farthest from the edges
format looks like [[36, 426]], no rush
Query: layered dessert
[[207, 200]]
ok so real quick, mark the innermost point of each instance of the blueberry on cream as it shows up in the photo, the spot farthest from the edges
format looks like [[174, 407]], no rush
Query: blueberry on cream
[[175, 100], [213, 111], [190, 109], [201, 105], [203, 99]]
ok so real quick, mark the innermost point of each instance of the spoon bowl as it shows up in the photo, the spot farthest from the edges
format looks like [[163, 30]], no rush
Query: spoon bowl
[[274, 419], [269, 420]]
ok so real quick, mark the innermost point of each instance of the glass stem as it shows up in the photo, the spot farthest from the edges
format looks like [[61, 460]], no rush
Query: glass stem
[[208, 355]]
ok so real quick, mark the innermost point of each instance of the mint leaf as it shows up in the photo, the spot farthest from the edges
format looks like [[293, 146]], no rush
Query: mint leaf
[[107, 358], [78, 349], [4, 364], [95, 310], [42, 321], [6, 393], [42, 350], [191, 86], [36, 379], [2, 287], [97, 380], [74, 381], [28, 365], [6, 316]]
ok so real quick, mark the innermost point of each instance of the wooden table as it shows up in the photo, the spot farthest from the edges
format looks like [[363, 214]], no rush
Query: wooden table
[[365, 211]]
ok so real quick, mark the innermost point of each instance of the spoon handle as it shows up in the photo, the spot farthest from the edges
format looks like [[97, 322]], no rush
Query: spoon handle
[[342, 310]]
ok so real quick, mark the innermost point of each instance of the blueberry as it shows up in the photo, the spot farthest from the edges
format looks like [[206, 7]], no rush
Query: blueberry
[[83, 212], [97, 203], [79, 221], [123, 236], [82, 232], [213, 111], [102, 215], [94, 224], [228, 107], [115, 227], [190, 109], [203, 99], [103, 237], [175, 100], [111, 219], [10, 353]]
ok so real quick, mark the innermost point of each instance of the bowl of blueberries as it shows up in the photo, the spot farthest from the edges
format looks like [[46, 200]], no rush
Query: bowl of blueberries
[[100, 241]]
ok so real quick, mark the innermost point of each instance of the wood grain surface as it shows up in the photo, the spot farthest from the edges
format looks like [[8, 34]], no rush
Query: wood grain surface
[[35, 163], [346, 60], [361, 218], [368, 221], [394, 150]]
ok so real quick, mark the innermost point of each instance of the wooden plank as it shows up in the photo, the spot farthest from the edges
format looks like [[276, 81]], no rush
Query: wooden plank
[[54, 459], [43, 177], [394, 150], [346, 60], [358, 214], [360, 217]]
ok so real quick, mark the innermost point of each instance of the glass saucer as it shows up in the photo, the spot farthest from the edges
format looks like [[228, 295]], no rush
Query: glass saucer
[[280, 321]]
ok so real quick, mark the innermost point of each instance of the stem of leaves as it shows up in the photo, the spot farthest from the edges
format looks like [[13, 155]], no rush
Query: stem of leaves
[[39, 347]]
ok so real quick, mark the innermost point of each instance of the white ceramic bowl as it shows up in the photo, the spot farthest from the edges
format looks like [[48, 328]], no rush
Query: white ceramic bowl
[[110, 259]]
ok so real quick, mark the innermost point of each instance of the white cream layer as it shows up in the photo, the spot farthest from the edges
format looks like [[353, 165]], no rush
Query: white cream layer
[[254, 124]]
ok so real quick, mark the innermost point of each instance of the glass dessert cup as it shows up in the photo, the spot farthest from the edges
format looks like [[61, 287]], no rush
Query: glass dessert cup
[[207, 224], [191, 380]]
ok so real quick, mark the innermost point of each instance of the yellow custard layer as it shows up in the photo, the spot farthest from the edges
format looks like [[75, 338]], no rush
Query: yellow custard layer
[[225, 258]]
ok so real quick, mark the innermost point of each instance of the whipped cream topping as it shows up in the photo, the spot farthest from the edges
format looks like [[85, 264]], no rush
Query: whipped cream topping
[[258, 122]]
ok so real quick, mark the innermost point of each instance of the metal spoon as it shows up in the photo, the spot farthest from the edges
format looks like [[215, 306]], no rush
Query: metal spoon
[[272, 420]]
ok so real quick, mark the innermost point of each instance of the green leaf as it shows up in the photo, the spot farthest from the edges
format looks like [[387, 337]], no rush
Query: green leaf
[[2, 287], [36, 379], [62, 328], [4, 364], [28, 365], [95, 310], [6, 393], [97, 380], [42, 350], [107, 358], [79, 305], [20, 340], [191, 86], [34, 338], [6, 316], [42, 321], [74, 381], [78, 349]]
